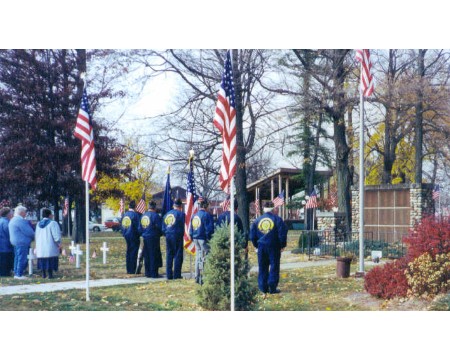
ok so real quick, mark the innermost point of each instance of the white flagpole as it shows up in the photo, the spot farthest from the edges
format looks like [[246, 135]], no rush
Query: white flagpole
[[232, 242], [87, 241], [361, 183]]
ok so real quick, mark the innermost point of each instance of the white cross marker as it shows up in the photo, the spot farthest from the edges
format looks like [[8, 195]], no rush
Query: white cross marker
[[104, 249], [30, 257], [72, 247], [78, 252]]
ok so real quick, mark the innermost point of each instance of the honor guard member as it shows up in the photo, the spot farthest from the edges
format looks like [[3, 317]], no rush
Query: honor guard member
[[268, 234], [150, 230], [173, 229], [130, 231], [201, 231], [225, 217]]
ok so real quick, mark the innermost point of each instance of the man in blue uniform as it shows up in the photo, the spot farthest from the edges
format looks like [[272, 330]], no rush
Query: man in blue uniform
[[173, 229], [21, 234], [225, 217], [268, 234], [150, 230], [130, 226], [201, 231]]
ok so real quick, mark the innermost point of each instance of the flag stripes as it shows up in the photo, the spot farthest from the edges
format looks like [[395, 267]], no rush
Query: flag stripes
[[279, 200], [225, 121], [363, 56], [312, 202], [85, 132], [141, 207], [191, 209]]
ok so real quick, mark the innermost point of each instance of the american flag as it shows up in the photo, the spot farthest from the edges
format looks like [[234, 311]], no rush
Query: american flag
[[226, 204], [141, 208], [333, 198], [66, 206], [363, 56], [279, 200], [312, 202], [225, 122], [121, 206], [85, 132], [257, 208], [436, 192], [191, 208]]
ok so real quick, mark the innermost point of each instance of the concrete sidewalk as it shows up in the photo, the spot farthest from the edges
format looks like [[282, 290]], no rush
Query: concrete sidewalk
[[57, 286]]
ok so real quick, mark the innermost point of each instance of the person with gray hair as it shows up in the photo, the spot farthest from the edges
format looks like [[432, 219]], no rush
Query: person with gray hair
[[21, 234]]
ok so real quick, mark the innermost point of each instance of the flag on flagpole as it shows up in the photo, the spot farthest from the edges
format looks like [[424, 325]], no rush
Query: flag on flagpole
[[279, 200], [436, 192], [363, 56], [257, 208], [312, 202], [225, 121], [191, 208], [167, 200], [226, 204], [121, 206], [85, 132], [141, 207], [66, 207]]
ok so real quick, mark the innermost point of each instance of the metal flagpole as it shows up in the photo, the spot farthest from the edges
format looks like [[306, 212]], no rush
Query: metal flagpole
[[87, 241], [361, 183], [232, 242]]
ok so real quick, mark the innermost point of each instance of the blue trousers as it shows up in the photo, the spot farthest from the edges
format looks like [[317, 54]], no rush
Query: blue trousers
[[132, 253], [268, 267], [151, 256], [20, 259], [174, 256]]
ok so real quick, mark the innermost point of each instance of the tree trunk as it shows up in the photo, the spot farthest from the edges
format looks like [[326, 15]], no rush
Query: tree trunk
[[241, 175], [79, 229], [418, 140]]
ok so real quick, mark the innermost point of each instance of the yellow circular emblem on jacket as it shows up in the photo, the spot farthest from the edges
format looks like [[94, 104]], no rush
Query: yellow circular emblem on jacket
[[169, 220], [196, 222], [145, 221], [126, 222], [265, 225]]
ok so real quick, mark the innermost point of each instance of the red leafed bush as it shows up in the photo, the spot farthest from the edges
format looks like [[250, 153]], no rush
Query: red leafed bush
[[388, 281], [431, 235]]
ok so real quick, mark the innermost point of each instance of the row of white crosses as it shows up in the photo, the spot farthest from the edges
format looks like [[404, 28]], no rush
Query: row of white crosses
[[74, 251]]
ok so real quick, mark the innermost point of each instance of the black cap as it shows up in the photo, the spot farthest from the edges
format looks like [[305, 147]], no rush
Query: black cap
[[132, 204], [268, 204], [204, 203], [178, 203], [152, 204]]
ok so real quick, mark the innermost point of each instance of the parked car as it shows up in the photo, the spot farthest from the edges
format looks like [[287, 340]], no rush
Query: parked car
[[96, 227], [113, 223]]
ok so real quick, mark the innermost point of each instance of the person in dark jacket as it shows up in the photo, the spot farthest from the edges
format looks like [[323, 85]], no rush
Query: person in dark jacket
[[21, 234], [268, 234], [130, 231], [150, 230], [173, 230], [201, 231], [6, 248], [225, 217]]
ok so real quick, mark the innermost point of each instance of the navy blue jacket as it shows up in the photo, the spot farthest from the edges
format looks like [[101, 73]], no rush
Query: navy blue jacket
[[269, 230], [150, 225], [5, 244], [130, 225], [173, 223], [202, 226], [225, 217]]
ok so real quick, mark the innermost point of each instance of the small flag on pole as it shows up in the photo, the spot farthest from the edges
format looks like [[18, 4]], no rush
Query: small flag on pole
[[141, 208], [167, 200], [66, 206], [63, 252], [225, 121], [363, 56], [85, 132], [312, 202], [436, 192], [279, 200], [94, 255], [257, 208], [225, 204], [121, 206]]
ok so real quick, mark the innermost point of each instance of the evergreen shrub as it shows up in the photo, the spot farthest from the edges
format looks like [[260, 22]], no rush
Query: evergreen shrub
[[214, 294]]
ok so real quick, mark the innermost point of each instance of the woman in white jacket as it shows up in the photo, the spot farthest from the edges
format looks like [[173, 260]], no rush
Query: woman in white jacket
[[48, 244]]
